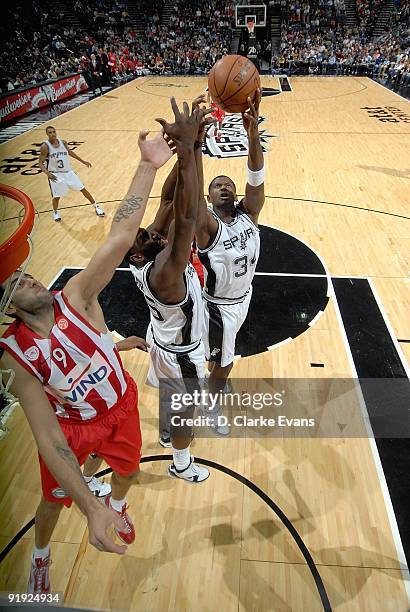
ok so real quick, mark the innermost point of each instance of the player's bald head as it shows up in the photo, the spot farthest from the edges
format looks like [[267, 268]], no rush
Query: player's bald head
[[220, 176]]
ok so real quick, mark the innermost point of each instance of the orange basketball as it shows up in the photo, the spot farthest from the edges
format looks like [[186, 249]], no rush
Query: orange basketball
[[231, 81]]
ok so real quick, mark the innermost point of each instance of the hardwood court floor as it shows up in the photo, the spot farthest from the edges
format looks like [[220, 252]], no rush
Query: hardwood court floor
[[337, 179]]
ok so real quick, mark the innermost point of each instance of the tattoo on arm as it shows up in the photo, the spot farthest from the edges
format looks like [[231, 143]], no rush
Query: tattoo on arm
[[128, 207], [68, 455]]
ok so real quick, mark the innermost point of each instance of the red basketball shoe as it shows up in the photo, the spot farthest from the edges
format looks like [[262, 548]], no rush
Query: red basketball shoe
[[39, 581], [128, 534]]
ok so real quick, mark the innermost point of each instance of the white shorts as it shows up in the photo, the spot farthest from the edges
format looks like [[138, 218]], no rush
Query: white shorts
[[64, 182], [180, 373], [221, 325], [164, 364]]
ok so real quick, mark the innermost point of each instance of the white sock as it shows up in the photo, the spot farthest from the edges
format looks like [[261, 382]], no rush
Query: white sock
[[41, 553], [182, 458], [87, 478], [117, 504]]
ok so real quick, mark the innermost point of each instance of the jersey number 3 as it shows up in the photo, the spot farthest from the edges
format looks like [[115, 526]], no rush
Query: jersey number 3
[[243, 263]]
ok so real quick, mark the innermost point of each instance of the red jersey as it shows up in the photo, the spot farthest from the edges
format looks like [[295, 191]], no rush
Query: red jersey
[[194, 259], [79, 367], [217, 112]]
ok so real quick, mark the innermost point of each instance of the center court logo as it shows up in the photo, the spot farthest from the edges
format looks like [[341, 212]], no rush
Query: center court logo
[[234, 139]]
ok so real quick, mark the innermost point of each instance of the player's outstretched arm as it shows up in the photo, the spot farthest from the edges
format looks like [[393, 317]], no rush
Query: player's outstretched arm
[[165, 212], [75, 156], [183, 132], [85, 286], [58, 456], [206, 226], [185, 209], [255, 190]]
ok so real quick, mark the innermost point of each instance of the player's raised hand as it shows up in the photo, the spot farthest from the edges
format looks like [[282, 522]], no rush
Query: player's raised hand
[[196, 103], [184, 130], [250, 117], [206, 121], [156, 151], [100, 519]]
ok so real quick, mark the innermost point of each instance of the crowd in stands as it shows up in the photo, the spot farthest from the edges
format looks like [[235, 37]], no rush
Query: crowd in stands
[[367, 12], [43, 47], [318, 41], [314, 34], [312, 13], [197, 35], [32, 50], [102, 14]]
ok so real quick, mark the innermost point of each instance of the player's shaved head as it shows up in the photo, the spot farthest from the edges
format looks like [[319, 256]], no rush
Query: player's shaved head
[[220, 176], [50, 127], [147, 244]]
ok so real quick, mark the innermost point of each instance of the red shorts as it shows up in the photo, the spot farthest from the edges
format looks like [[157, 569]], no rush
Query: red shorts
[[116, 437]]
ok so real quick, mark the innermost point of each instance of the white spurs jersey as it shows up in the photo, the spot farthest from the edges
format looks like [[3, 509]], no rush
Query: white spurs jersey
[[230, 261], [58, 159], [175, 327]]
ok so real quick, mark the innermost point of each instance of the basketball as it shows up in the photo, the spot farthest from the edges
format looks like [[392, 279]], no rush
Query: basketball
[[231, 81]]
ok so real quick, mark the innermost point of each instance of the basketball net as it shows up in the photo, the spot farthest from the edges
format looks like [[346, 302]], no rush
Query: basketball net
[[251, 27], [16, 250]]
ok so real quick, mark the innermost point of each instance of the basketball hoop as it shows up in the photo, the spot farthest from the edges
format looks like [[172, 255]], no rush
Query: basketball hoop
[[17, 249], [15, 254]]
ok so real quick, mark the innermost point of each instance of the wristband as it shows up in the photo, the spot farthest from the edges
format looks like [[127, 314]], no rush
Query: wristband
[[255, 177]]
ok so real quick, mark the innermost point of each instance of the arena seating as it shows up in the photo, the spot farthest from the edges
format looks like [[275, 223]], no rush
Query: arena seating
[[189, 36]]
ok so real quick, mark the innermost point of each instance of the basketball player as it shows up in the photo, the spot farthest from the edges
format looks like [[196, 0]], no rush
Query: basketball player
[[165, 213], [172, 291], [218, 115], [228, 245], [54, 162], [163, 219], [72, 386], [159, 229]]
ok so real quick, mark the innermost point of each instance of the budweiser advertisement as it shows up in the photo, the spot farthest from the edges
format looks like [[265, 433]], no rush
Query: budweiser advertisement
[[16, 104]]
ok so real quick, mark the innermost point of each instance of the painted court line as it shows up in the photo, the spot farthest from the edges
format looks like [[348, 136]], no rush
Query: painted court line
[[376, 457]]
